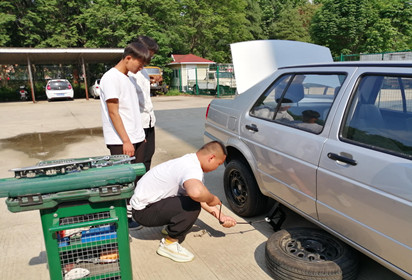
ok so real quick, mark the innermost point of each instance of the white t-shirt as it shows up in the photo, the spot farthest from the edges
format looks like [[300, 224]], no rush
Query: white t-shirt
[[166, 180], [116, 85], [145, 102]]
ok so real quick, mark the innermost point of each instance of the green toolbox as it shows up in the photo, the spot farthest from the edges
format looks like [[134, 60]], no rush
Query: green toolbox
[[82, 204]]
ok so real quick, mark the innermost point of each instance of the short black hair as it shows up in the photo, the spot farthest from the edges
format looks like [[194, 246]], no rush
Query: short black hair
[[137, 50], [213, 146], [310, 114], [149, 42]]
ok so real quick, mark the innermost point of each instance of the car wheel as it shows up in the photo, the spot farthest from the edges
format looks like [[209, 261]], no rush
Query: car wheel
[[242, 191], [306, 253]]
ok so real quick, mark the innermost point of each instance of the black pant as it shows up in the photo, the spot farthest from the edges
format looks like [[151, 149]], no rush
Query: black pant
[[179, 213], [148, 147], [139, 155], [138, 151]]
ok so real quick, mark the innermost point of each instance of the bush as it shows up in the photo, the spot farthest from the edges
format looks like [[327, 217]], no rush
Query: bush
[[173, 92]]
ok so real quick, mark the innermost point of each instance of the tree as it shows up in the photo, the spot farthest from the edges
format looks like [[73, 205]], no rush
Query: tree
[[356, 26], [211, 26], [293, 23], [6, 22]]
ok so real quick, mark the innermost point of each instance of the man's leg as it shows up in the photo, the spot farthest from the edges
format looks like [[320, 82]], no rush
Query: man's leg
[[178, 213], [149, 147], [118, 150]]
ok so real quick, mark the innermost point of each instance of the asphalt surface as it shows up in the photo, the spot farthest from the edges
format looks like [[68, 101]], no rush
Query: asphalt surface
[[68, 129]]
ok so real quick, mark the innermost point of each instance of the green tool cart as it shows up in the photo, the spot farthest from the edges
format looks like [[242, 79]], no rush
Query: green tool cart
[[83, 213]]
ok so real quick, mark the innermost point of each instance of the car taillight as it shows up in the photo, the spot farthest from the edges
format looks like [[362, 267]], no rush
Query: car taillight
[[207, 110], [48, 87], [70, 86]]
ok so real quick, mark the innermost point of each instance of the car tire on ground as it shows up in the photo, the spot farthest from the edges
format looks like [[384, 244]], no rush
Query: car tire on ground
[[310, 253], [242, 191]]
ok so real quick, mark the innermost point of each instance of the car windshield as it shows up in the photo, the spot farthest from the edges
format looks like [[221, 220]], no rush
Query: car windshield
[[228, 75], [153, 71], [59, 85]]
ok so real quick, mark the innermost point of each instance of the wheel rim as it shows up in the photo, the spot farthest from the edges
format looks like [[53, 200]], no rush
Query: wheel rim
[[312, 249], [238, 189]]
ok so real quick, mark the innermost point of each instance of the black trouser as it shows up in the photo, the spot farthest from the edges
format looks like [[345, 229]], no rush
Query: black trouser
[[138, 151], [139, 155], [148, 147], [179, 213]]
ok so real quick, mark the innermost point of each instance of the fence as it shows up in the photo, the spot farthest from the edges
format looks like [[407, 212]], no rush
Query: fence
[[387, 56]]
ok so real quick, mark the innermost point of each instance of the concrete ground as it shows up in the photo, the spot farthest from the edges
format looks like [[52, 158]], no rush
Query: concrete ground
[[67, 129]]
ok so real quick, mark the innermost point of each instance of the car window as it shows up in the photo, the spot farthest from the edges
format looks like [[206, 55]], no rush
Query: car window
[[153, 71], [299, 100], [380, 114], [59, 85]]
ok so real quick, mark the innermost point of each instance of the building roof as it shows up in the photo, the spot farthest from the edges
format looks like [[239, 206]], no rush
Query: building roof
[[55, 55], [189, 59]]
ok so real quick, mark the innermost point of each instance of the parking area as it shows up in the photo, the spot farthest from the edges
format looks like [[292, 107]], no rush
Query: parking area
[[67, 129]]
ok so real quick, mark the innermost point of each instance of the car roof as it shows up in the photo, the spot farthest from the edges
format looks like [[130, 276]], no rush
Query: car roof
[[355, 64], [58, 80]]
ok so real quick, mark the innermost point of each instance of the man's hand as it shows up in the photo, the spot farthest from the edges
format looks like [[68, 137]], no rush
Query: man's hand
[[128, 149], [227, 221]]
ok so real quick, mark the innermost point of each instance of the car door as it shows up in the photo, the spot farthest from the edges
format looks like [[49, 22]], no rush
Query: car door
[[364, 182], [286, 150]]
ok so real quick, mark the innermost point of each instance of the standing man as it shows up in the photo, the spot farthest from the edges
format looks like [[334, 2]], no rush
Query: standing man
[[142, 80], [122, 123], [173, 193]]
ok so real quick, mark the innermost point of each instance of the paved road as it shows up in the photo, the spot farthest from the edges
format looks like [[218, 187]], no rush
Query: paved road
[[54, 130]]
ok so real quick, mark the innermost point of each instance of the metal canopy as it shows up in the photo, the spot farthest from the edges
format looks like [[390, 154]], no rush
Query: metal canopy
[[29, 56], [58, 56]]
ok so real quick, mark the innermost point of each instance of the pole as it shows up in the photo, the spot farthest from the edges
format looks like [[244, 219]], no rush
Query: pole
[[31, 79]]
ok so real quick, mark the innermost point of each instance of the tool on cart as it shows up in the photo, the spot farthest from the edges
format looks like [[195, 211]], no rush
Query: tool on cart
[[69, 165]]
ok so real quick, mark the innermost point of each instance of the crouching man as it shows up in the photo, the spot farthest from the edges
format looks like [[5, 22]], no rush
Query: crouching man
[[173, 193]]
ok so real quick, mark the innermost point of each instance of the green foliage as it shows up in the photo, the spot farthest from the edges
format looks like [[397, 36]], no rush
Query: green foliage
[[173, 92], [207, 27], [356, 26]]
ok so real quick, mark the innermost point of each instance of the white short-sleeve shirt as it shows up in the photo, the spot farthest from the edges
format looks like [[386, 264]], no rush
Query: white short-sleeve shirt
[[142, 79], [116, 85], [166, 180]]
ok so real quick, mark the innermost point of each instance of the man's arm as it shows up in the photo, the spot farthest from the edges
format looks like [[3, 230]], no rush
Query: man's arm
[[113, 109], [198, 192], [224, 220]]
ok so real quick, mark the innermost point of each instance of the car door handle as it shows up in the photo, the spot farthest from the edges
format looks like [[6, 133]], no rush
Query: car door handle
[[252, 127], [337, 157]]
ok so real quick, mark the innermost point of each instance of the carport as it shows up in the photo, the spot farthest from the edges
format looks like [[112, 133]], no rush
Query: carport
[[82, 56]]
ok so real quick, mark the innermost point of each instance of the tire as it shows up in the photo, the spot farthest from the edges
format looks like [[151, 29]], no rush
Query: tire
[[242, 191], [310, 254]]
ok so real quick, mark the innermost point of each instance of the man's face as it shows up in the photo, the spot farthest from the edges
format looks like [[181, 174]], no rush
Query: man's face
[[213, 162], [134, 65]]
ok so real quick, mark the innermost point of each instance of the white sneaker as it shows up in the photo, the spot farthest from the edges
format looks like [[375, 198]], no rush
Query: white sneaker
[[174, 252]]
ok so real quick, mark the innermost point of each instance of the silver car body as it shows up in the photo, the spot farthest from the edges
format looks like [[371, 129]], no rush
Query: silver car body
[[367, 204]]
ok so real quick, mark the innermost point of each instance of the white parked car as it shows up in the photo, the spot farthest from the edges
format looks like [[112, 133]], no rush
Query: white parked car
[[332, 142], [95, 89], [59, 89]]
